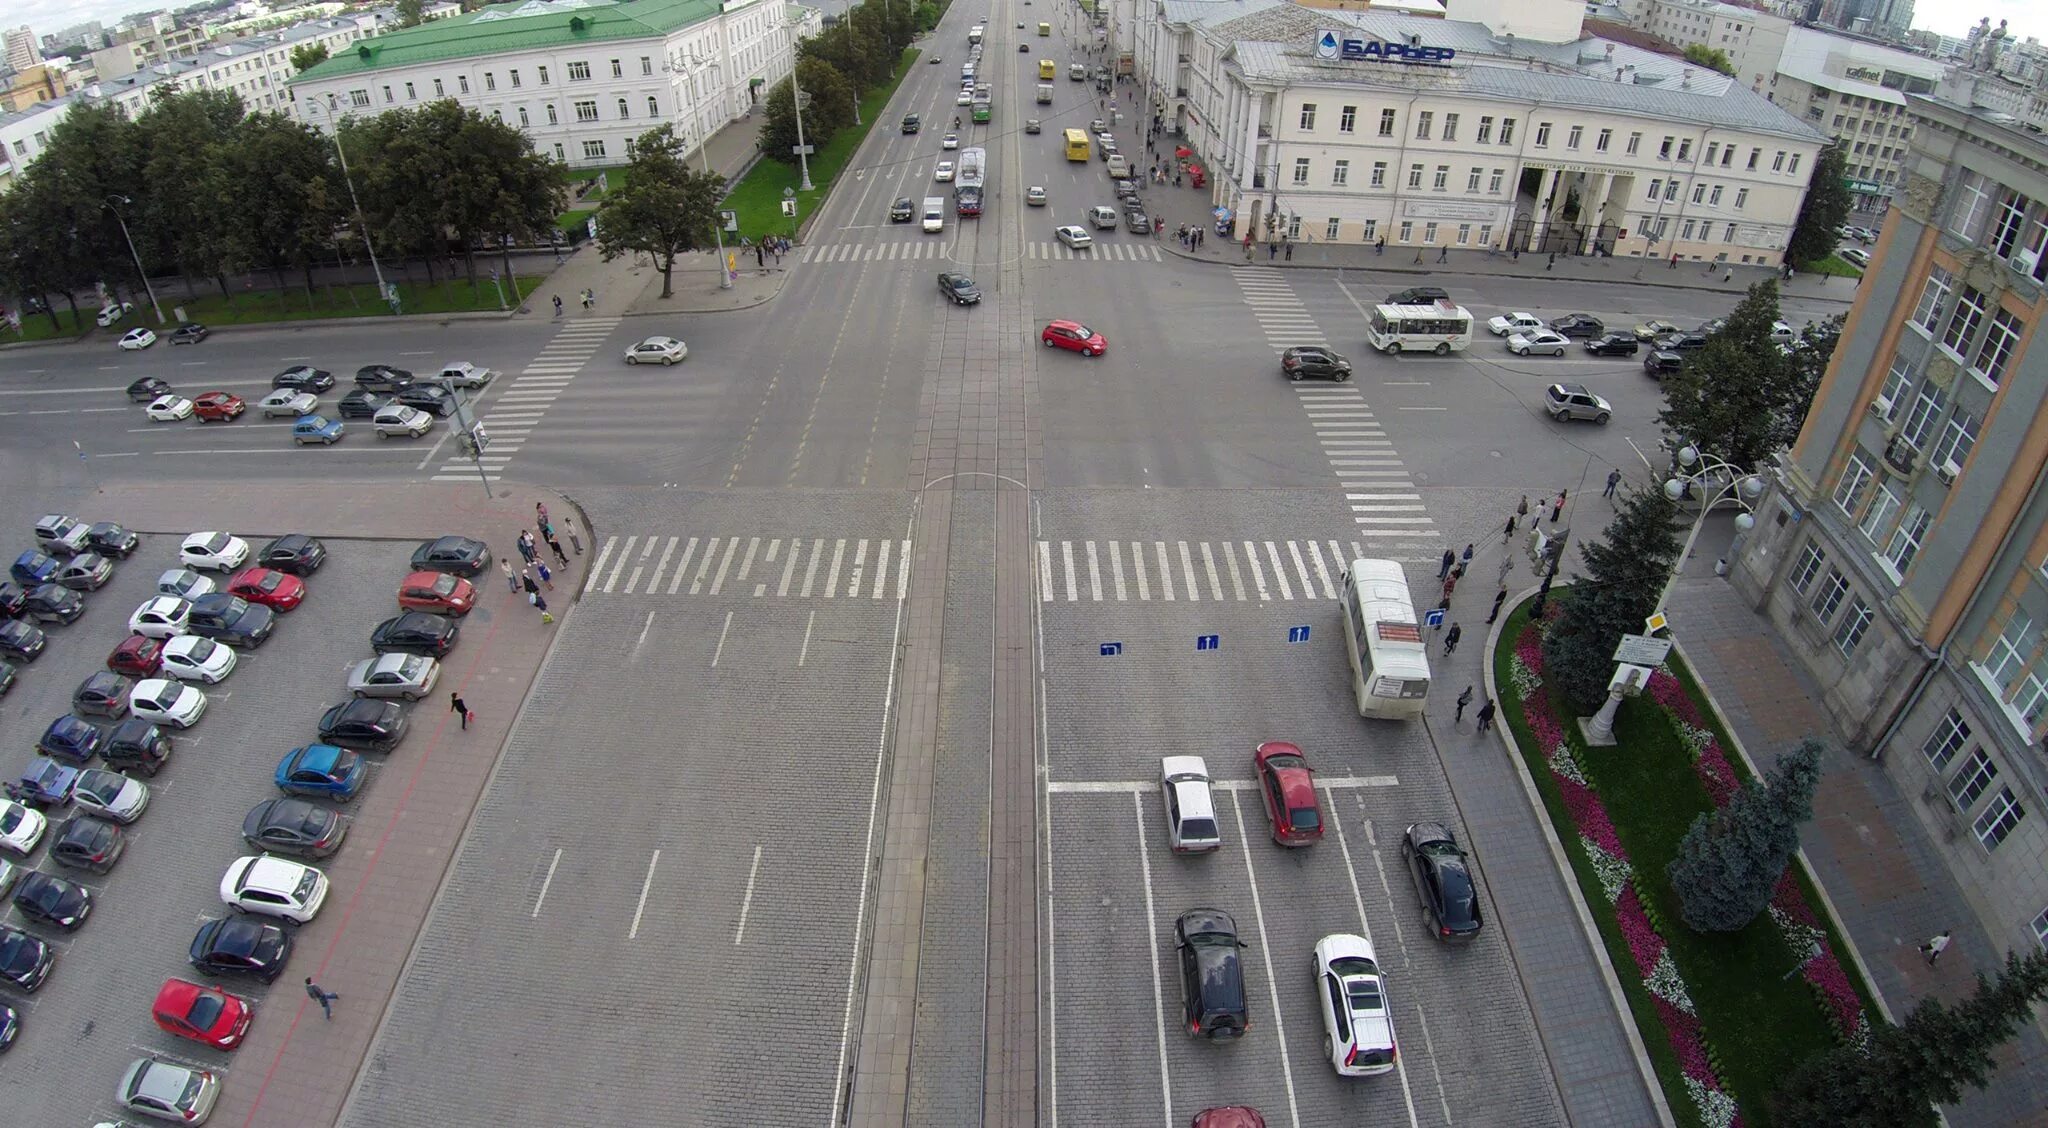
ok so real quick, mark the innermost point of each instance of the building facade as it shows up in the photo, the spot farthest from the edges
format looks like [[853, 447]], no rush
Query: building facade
[[1321, 125], [1753, 40], [19, 46], [1904, 551], [1855, 91]]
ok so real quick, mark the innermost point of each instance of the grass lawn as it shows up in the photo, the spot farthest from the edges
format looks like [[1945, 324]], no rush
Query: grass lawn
[[36, 326], [345, 301], [1756, 1022], [1833, 264], [758, 196]]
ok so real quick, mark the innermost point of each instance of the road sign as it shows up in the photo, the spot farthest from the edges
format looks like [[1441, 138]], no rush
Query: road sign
[[789, 208], [481, 437], [1112, 649], [789, 193], [1642, 650], [1208, 642], [804, 150], [731, 219], [1297, 634], [1655, 623], [1434, 617]]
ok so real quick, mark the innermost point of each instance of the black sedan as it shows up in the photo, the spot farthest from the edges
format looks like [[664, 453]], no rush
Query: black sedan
[[12, 598], [1578, 325], [304, 378], [241, 946], [49, 603], [1681, 342], [230, 620], [190, 333], [382, 378], [1211, 974], [1309, 361], [364, 723], [104, 694], [87, 844], [958, 288], [22, 641], [53, 900], [902, 211], [415, 632], [433, 399], [294, 826], [1443, 882], [71, 740], [293, 553], [1612, 344], [24, 960], [111, 540], [146, 389], [459, 555], [360, 404]]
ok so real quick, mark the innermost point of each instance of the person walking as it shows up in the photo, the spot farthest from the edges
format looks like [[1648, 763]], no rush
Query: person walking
[[460, 708], [540, 514], [1464, 699], [1507, 534], [1289, 244], [547, 578], [1498, 598], [526, 580], [1458, 573], [1465, 558], [1936, 945], [540, 601], [558, 305], [1451, 639], [1613, 480], [1443, 255], [555, 546], [1486, 715], [1444, 568], [1450, 585], [324, 998], [1522, 510], [511, 581], [1443, 612], [1379, 246], [1557, 507]]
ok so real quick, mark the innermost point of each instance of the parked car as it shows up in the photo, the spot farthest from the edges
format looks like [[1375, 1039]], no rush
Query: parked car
[[163, 616], [1682, 342], [22, 641], [325, 771], [290, 402], [1654, 328], [87, 844], [317, 429], [48, 603], [21, 827], [68, 738], [1660, 364], [25, 961], [53, 900], [136, 339], [59, 535], [241, 947], [1574, 401], [272, 589], [202, 1014], [217, 552], [1612, 344], [1190, 804], [364, 724], [304, 378], [32, 568], [295, 827], [13, 600], [113, 312], [136, 745], [104, 694], [295, 553], [275, 887], [1211, 975], [1358, 1021], [111, 540], [415, 632], [406, 676], [44, 783], [230, 619], [462, 556], [167, 702], [192, 658], [1443, 882], [165, 1090], [86, 571]]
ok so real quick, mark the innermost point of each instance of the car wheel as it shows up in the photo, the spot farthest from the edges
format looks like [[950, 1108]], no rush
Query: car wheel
[[1329, 1052], [1443, 348], [1047, 340], [1395, 348], [1295, 375], [633, 360], [1558, 415], [1343, 376], [1601, 419], [1559, 352], [1521, 352]]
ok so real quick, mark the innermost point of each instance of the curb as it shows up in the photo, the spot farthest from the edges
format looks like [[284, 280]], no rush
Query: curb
[[299, 323]]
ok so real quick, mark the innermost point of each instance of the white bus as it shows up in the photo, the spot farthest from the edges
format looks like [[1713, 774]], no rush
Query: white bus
[[1389, 660], [974, 35], [1439, 328]]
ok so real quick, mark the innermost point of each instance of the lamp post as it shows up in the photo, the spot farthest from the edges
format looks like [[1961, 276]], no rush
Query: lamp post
[[144, 274], [371, 247], [703, 155], [797, 99], [1697, 468]]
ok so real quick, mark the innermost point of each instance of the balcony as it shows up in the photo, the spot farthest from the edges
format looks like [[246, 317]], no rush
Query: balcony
[[1265, 132]]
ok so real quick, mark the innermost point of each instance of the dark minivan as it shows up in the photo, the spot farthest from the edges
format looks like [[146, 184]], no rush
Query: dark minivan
[[137, 744]]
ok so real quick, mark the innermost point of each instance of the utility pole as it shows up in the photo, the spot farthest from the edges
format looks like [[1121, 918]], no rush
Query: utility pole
[[703, 142], [146, 287], [383, 291], [797, 97]]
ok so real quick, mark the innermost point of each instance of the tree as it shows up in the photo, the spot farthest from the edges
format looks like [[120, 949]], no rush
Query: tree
[[1907, 1070], [1624, 574], [1712, 58], [1739, 399], [411, 13], [282, 185], [1809, 362], [1826, 206], [828, 105], [663, 209], [1729, 863], [183, 137], [308, 54], [927, 16]]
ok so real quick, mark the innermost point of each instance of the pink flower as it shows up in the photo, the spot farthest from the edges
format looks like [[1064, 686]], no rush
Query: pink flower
[[1643, 942]]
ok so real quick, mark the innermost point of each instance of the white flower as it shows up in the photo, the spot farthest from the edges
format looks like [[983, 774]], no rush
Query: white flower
[[1717, 1109], [1695, 739], [1664, 982], [1565, 764], [1803, 939], [1613, 872], [1524, 679]]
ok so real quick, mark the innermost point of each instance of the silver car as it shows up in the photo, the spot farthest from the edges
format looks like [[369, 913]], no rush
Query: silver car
[[409, 676], [164, 1090], [1575, 401], [657, 350], [288, 401], [398, 419], [184, 583], [110, 795]]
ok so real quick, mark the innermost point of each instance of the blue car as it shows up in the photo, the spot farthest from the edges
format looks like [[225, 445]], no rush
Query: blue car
[[322, 771], [316, 429], [32, 568], [69, 738], [46, 783]]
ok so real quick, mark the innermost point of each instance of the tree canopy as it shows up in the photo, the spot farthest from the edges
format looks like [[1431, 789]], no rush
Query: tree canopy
[[663, 209], [1742, 397], [1712, 58], [1824, 210], [1625, 572]]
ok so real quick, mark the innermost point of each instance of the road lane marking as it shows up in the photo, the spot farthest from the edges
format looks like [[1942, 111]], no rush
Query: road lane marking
[[703, 566], [1152, 947], [1045, 570], [639, 565], [1138, 571], [646, 883], [832, 573], [1116, 568], [661, 565], [1236, 577], [621, 565], [722, 632], [747, 561], [1067, 557], [724, 563], [789, 567], [1272, 984], [1094, 572], [853, 575], [747, 902], [1365, 930], [811, 568], [544, 883], [803, 653]]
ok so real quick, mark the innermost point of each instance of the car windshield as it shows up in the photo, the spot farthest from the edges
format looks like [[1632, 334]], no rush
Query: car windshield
[[1198, 828], [304, 892], [206, 1010], [200, 649], [270, 582], [216, 542], [1083, 332], [444, 584], [234, 608]]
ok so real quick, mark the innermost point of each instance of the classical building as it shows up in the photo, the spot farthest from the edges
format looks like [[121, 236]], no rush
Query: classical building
[[1904, 551], [1753, 40]]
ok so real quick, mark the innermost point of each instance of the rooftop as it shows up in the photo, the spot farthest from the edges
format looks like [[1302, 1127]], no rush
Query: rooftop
[[523, 26]]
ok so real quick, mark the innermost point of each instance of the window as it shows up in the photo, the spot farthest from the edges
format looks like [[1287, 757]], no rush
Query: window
[[1714, 196], [1635, 143], [462, 84], [551, 114], [1793, 168], [1712, 150], [1905, 542], [1543, 135], [2030, 699], [1370, 230], [1856, 478], [1920, 421], [1884, 505], [357, 98], [2041, 928], [1855, 621], [1664, 149], [1330, 229], [1933, 296], [1810, 560], [1379, 174], [439, 92], [1442, 179], [1301, 170], [1741, 198], [490, 81], [2011, 651], [1347, 120], [579, 72], [1690, 226], [586, 111], [1601, 140], [1464, 234], [1946, 740], [1571, 140], [543, 75], [387, 96], [1956, 442], [1671, 190], [1997, 348], [1450, 127], [1294, 227], [1828, 597], [1778, 162], [624, 110], [1308, 116], [1963, 323], [1493, 182], [1971, 779], [1472, 181], [1891, 399], [1507, 131], [1485, 130], [523, 123], [617, 70], [593, 150], [1728, 236], [646, 65], [1407, 231], [2000, 816], [1341, 174], [514, 75], [558, 152], [1699, 193], [1429, 233], [1386, 123], [1415, 176], [411, 95], [653, 106], [1425, 121], [1656, 186]]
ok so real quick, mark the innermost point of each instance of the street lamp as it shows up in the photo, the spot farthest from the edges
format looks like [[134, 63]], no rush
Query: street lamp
[[146, 287], [797, 98], [368, 245], [1695, 469], [703, 140]]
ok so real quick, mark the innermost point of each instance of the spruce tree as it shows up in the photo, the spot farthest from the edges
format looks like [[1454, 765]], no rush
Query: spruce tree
[[1625, 571], [1736, 399], [1730, 861]]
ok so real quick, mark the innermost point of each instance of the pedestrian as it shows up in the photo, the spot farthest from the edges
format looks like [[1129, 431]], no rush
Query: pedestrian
[[1247, 247], [547, 532], [324, 998], [575, 541], [558, 305], [1451, 639], [1458, 573], [1464, 699], [540, 514], [1508, 533], [526, 579], [460, 708], [1730, 276], [1486, 715], [526, 545], [541, 602], [1552, 264], [1444, 567], [1613, 480], [1272, 250], [1290, 250], [1522, 510], [1450, 585], [1674, 260], [1498, 598], [1201, 237], [1176, 178], [1443, 612], [1379, 246], [511, 581], [1935, 946], [547, 578], [1557, 507], [555, 546], [1465, 558], [760, 256], [1443, 256]]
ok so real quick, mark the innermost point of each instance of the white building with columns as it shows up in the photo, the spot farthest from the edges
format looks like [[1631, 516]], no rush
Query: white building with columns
[[1496, 127]]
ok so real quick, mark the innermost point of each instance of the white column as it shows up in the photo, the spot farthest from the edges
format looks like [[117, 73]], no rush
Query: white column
[[1546, 205]]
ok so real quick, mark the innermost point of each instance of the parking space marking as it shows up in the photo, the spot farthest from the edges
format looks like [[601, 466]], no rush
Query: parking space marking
[[804, 652], [646, 883], [1152, 946], [545, 882], [723, 631], [747, 902], [1365, 930], [1266, 954]]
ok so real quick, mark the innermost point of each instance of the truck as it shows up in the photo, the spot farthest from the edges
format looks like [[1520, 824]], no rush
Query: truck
[[974, 35]]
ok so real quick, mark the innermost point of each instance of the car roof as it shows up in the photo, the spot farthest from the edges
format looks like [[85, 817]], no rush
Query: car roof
[[1572, 389], [267, 872], [165, 605], [1207, 920], [317, 757]]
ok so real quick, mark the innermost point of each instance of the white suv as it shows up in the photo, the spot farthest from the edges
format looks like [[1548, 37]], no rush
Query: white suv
[[1190, 805], [1358, 1021]]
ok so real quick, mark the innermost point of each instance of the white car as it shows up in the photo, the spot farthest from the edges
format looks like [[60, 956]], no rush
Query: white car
[[1358, 1021], [137, 338], [1073, 236], [1034, 196], [287, 401], [463, 374], [1190, 805], [216, 552], [274, 887], [950, 141], [1515, 322], [112, 313], [944, 171], [164, 1090], [1782, 333], [167, 702], [169, 409], [21, 827], [410, 676], [657, 350], [110, 795], [398, 419], [966, 96], [191, 658], [183, 583], [1527, 341], [166, 616]]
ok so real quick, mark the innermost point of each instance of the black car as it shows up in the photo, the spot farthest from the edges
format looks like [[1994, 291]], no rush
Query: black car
[[49, 603], [415, 632], [24, 960], [364, 723], [146, 389], [190, 333], [911, 123], [1613, 344], [52, 900], [87, 844], [1211, 974], [360, 404], [7, 676], [136, 744], [1419, 295], [10, 1026], [241, 946], [1660, 364], [231, 620], [959, 288], [12, 598], [69, 738], [382, 378], [1310, 361], [104, 694], [460, 555], [1681, 342], [1443, 882], [1578, 325], [433, 399], [22, 641], [293, 553], [293, 826], [304, 378], [902, 211], [111, 540]]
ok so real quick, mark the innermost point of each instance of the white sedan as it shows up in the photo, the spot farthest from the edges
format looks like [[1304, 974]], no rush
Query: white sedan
[[290, 402], [167, 702], [137, 338], [169, 409], [944, 171], [966, 96], [1528, 341], [21, 827], [274, 887], [951, 141], [1358, 1022], [191, 658], [218, 552], [166, 616], [657, 350], [1516, 322], [1073, 236]]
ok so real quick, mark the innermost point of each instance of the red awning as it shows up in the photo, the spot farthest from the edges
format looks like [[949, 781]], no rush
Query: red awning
[[1183, 152]]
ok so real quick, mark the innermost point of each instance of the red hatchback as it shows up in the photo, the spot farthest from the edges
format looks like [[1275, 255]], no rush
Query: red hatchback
[[438, 592], [202, 1013], [1289, 787], [1074, 337], [137, 656], [270, 588], [218, 405]]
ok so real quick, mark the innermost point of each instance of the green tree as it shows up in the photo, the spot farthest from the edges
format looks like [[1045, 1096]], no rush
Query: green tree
[[411, 13], [927, 16], [308, 54], [1909, 1069], [1729, 863], [1712, 58], [1624, 573], [1825, 208], [281, 184], [663, 209], [1739, 398], [183, 138], [828, 106], [1809, 362]]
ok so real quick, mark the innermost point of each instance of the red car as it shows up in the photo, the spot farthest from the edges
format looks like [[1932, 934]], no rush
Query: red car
[[218, 405], [202, 1013], [137, 656], [1075, 337], [438, 592], [1232, 1116], [1289, 787], [273, 589]]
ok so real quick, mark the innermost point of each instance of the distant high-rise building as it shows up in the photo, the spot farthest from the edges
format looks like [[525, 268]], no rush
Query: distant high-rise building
[[21, 50]]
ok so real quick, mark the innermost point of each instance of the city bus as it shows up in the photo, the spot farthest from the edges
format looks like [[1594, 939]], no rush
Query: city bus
[[1077, 145], [1383, 638], [1439, 328], [974, 35], [1047, 68]]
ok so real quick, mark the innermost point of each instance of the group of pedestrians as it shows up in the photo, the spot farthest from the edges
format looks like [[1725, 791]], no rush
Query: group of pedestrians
[[768, 245], [534, 575], [1451, 568], [1192, 236]]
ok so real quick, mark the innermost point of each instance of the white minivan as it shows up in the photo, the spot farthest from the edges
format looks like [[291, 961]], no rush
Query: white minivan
[[934, 213]]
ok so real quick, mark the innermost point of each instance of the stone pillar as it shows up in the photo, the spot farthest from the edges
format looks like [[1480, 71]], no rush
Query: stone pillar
[[1547, 204]]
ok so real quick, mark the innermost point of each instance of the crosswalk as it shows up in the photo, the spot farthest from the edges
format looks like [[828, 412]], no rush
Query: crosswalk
[[1379, 492], [517, 408], [1276, 308], [933, 251], [870, 568], [1225, 571]]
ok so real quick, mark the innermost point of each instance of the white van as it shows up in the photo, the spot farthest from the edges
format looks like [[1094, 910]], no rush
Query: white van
[[1118, 166], [934, 213]]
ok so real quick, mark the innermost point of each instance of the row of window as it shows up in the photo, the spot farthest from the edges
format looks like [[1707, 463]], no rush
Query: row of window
[[1960, 318], [1703, 194], [1427, 129], [1825, 594], [1340, 176], [1974, 775], [2003, 221], [1657, 227], [1946, 430], [584, 111], [1894, 524]]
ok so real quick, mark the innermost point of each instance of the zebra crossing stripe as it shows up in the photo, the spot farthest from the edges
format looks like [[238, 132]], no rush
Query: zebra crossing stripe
[[811, 568], [789, 567], [1116, 568], [675, 582], [1045, 571], [703, 566], [597, 566], [1094, 571]]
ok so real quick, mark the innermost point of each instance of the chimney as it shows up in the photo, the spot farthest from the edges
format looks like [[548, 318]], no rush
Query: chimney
[[1685, 79]]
